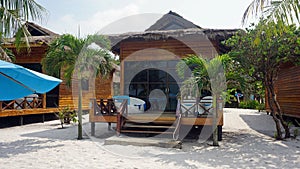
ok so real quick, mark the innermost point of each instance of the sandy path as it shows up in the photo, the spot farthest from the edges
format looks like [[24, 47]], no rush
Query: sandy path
[[246, 144]]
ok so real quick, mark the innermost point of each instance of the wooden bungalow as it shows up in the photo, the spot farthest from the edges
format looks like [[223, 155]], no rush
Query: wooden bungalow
[[148, 62], [61, 96], [42, 104]]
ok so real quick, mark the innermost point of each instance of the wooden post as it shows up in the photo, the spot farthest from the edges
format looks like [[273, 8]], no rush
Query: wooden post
[[109, 126], [119, 123], [0, 106], [219, 116], [24, 103], [93, 128], [43, 118], [44, 100], [21, 121]]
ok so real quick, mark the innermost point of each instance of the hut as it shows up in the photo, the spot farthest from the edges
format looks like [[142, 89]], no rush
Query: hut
[[61, 96], [31, 59], [148, 71]]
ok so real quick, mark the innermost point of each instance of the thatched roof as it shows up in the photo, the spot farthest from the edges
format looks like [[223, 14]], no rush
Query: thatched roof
[[214, 35], [39, 35], [172, 21], [174, 26], [36, 30], [33, 40]]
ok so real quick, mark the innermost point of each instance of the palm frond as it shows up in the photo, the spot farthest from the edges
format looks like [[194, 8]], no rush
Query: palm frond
[[286, 11], [255, 9]]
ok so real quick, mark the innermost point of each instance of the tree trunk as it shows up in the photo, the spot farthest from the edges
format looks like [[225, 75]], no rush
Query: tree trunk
[[215, 124], [79, 111], [273, 112], [282, 121]]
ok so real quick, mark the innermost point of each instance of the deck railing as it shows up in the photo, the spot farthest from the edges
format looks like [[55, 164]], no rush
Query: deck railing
[[104, 107], [24, 103], [107, 107], [196, 107], [122, 113]]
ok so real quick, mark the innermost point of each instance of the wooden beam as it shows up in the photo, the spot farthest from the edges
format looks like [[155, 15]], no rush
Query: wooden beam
[[104, 119], [8, 113], [200, 121]]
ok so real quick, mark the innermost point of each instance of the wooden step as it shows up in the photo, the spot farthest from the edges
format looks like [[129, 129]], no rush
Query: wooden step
[[150, 118], [145, 132], [148, 126], [146, 122]]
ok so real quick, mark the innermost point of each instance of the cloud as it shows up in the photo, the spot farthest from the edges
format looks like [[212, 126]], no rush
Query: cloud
[[92, 24]]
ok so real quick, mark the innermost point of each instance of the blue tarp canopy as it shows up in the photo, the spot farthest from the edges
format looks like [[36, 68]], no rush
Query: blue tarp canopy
[[17, 81]]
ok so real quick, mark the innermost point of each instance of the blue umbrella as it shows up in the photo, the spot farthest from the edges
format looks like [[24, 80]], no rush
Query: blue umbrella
[[17, 81]]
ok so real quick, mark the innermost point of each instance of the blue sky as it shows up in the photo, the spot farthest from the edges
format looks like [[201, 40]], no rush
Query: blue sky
[[65, 16]]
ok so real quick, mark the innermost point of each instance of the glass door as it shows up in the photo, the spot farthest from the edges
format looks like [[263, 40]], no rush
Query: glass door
[[157, 88]]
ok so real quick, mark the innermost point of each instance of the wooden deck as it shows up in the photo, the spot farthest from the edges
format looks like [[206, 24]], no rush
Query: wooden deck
[[149, 122], [168, 118], [22, 112]]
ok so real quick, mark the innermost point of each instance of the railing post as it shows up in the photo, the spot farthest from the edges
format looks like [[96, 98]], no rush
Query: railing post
[[0, 106], [44, 100], [109, 106], [24, 103], [119, 122], [126, 106]]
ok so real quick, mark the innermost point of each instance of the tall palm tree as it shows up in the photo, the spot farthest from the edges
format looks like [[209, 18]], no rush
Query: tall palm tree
[[76, 56], [286, 11], [13, 15]]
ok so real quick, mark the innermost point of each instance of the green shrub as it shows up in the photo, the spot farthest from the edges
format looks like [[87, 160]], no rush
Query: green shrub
[[249, 104], [66, 115], [260, 106]]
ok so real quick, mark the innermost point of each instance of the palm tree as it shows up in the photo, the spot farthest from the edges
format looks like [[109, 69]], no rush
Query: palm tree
[[76, 56], [286, 11], [209, 75], [13, 15]]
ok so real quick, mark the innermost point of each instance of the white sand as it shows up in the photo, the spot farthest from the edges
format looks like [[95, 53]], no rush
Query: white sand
[[246, 144]]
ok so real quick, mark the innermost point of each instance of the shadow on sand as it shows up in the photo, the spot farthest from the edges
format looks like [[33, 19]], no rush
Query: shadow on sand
[[237, 150], [69, 132], [23, 146], [260, 122]]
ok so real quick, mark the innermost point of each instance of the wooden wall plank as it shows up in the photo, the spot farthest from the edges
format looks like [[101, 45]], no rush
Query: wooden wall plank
[[288, 90]]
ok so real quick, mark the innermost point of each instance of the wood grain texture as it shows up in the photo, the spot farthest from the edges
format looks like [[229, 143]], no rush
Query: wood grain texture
[[287, 88]]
